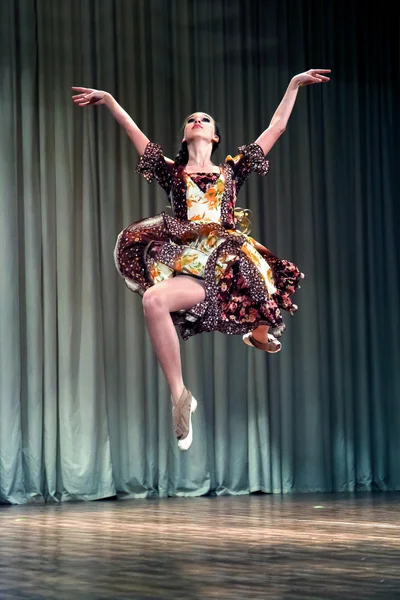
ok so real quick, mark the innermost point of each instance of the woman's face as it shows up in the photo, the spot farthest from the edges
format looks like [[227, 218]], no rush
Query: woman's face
[[200, 126]]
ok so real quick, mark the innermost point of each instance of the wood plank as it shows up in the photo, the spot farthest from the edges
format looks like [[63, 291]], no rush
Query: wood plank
[[259, 546]]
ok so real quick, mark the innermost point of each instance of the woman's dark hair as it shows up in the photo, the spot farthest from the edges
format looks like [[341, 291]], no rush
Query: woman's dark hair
[[182, 157]]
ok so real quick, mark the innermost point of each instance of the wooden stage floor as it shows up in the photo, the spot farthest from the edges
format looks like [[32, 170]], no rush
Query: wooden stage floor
[[249, 547]]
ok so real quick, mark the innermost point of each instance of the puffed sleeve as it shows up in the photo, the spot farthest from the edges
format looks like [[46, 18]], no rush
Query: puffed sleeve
[[152, 165], [250, 158]]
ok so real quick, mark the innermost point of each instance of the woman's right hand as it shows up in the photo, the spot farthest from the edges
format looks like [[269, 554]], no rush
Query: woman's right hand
[[89, 96]]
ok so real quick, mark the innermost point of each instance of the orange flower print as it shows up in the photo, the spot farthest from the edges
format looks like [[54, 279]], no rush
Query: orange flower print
[[155, 272], [186, 260], [247, 250], [210, 194], [211, 197], [220, 186]]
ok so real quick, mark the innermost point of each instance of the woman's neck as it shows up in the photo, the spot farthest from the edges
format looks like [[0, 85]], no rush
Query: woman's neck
[[200, 156]]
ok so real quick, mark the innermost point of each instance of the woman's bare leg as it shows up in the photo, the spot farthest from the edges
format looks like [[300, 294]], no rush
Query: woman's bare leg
[[180, 293]]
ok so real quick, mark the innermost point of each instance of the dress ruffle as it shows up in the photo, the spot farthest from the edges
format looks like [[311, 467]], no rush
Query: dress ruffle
[[148, 162], [255, 158], [236, 302]]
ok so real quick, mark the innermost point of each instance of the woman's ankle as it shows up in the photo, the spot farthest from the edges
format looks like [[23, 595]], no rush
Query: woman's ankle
[[176, 391]]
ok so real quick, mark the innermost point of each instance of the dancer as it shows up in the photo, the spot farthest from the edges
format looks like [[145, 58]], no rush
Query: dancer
[[198, 269]]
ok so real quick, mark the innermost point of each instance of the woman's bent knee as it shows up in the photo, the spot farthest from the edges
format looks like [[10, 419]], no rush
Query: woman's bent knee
[[153, 302]]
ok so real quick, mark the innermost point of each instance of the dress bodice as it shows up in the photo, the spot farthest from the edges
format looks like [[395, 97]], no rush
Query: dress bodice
[[192, 197], [204, 192]]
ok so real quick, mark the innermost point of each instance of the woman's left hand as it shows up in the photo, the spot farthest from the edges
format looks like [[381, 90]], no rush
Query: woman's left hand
[[311, 76]]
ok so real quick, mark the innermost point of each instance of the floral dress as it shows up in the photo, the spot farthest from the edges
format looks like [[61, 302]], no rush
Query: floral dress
[[246, 285]]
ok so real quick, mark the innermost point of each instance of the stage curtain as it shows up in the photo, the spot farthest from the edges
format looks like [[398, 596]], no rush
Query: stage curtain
[[84, 410]]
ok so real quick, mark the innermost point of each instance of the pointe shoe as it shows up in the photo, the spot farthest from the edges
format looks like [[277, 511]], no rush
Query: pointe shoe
[[182, 419], [272, 346]]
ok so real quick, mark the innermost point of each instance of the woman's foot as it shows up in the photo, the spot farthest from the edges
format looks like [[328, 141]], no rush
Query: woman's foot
[[272, 345], [182, 411]]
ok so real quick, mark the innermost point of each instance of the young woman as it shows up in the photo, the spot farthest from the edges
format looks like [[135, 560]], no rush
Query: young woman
[[198, 269]]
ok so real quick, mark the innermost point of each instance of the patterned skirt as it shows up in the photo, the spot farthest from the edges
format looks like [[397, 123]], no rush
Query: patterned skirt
[[246, 285]]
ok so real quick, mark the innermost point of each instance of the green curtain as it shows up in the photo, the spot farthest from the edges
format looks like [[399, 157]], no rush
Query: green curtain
[[84, 409]]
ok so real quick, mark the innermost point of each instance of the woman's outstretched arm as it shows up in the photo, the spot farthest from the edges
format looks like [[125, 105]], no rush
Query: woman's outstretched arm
[[281, 116], [89, 97]]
